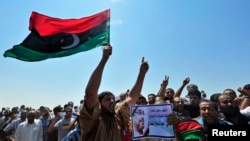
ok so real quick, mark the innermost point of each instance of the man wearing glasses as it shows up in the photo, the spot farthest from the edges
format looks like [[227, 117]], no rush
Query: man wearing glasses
[[62, 125]]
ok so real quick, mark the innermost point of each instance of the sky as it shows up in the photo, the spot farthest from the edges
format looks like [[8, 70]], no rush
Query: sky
[[207, 41]]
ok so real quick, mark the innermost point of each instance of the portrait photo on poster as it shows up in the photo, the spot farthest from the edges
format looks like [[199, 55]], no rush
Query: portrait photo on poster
[[150, 121]]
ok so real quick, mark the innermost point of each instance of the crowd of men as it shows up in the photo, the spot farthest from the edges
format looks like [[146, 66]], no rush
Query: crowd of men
[[101, 117]]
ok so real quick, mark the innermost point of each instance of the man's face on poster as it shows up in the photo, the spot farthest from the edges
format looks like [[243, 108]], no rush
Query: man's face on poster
[[139, 124]]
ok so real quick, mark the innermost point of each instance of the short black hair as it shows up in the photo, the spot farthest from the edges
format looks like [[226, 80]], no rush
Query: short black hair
[[214, 104], [170, 89], [195, 92], [214, 97], [143, 98], [57, 109], [102, 94], [247, 86], [228, 89], [192, 85], [151, 94]]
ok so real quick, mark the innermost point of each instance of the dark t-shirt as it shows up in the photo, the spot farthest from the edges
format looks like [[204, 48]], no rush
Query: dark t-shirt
[[53, 135], [194, 111], [242, 119]]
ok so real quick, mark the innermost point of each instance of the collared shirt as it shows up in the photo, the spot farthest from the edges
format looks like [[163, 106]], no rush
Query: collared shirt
[[45, 124], [100, 127], [11, 127]]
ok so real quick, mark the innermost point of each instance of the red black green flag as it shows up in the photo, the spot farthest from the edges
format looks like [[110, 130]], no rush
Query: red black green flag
[[52, 37]]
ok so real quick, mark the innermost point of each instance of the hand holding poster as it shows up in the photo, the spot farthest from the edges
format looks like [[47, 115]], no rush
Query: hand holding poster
[[150, 121]]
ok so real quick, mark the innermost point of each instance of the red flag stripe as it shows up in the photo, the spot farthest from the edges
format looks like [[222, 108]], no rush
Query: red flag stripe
[[46, 25]]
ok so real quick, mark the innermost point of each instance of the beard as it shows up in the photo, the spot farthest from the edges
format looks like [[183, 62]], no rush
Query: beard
[[30, 121], [111, 112], [108, 112], [230, 111]]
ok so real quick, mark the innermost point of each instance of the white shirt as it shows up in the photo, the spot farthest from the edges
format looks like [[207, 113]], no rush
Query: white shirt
[[29, 132], [246, 111]]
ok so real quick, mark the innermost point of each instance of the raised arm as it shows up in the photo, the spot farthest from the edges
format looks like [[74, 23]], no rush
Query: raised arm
[[246, 98], [241, 91], [184, 83], [91, 91], [162, 90], [135, 92]]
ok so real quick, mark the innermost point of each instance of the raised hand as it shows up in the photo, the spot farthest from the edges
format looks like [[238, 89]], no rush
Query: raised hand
[[144, 66], [135, 92], [173, 119], [240, 89], [186, 81], [165, 81], [107, 51]]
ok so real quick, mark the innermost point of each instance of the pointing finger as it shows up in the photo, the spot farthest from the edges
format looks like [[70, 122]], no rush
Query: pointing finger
[[142, 59]]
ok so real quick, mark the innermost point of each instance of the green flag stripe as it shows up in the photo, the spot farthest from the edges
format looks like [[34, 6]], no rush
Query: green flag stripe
[[22, 53]]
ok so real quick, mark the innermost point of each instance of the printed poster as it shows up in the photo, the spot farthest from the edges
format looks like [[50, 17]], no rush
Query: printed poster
[[150, 121]]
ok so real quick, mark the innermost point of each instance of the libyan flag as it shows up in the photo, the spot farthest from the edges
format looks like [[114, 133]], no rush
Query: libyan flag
[[52, 37]]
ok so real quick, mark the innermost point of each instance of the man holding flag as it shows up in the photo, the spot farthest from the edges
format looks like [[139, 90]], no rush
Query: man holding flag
[[53, 37]]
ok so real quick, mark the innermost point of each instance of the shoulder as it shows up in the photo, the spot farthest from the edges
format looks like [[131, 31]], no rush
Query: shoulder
[[84, 111], [122, 106], [22, 124], [246, 111], [199, 119], [224, 122], [72, 119], [37, 121], [17, 121]]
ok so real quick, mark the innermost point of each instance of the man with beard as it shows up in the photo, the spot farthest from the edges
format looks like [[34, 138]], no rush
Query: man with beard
[[29, 130], [99, 120], [178, 108], [231, 110], [194, 101], [194, 98]]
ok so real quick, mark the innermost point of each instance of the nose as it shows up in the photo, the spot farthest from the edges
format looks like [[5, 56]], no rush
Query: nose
[[230, 103], [112, 100], [206, 111]]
